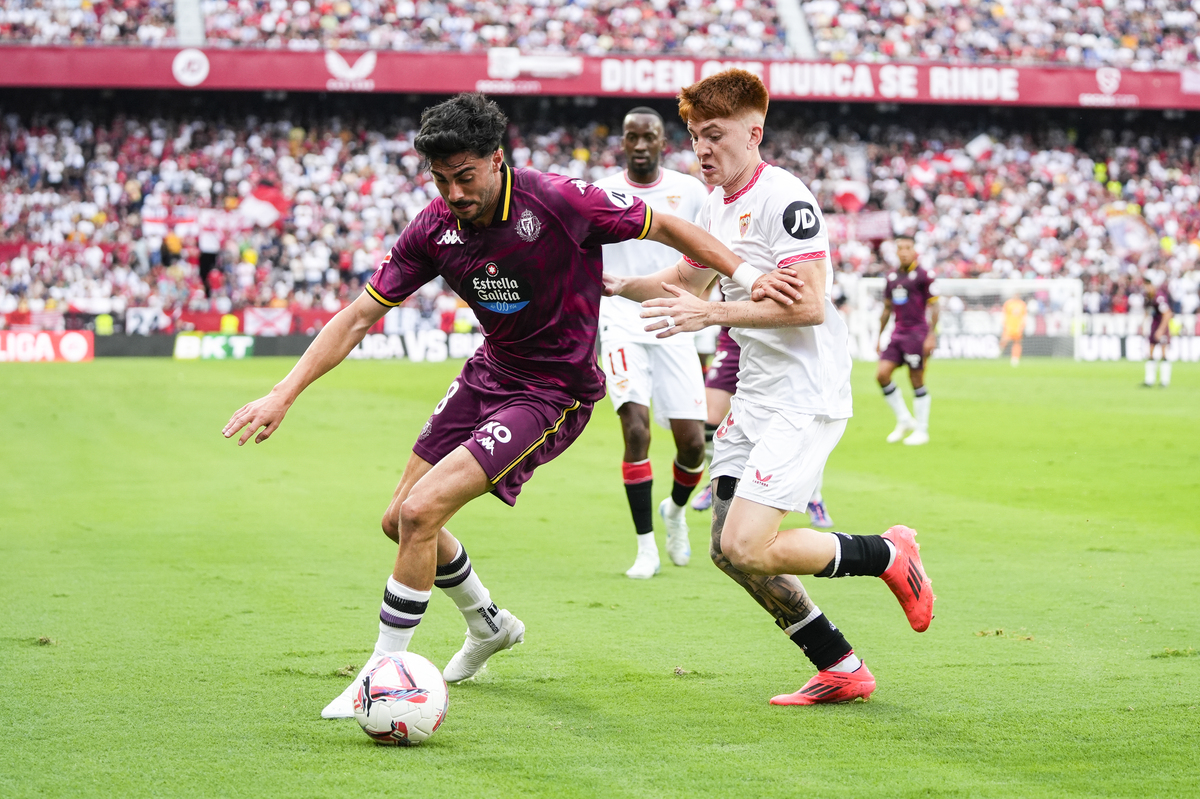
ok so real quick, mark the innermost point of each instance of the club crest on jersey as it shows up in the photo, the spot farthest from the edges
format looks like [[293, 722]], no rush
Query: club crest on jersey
[[495, 291], [529, 227], [743, 224], [450, 237], [673, 200]]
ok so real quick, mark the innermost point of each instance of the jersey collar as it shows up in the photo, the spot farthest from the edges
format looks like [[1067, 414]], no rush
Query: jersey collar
[[740, 193], [506, 187]]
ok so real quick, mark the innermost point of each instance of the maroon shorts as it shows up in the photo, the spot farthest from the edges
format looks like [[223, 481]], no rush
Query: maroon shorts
[[722, 372], [510, 428], [906, 347]]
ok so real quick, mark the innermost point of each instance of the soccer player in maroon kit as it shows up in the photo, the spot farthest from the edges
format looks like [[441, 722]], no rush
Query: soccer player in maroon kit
[[1161, 314], [523, 249], [908, 293]]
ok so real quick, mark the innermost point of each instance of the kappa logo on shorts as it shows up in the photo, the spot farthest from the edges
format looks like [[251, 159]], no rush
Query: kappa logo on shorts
[[450, 237], [492, 433], [762, 479]]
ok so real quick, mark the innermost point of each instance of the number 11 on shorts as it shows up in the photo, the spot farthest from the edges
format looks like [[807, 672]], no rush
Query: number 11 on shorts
[[613, 366]]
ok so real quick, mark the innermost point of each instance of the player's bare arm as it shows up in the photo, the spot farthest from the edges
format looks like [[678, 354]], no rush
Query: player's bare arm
[[684, 312], [883, 320], [702, 247], [331, 346], [931, 340]]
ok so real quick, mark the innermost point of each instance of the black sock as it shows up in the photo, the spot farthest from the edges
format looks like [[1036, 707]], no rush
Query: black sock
[[641, 501], [821, 642], [858, 556], [725, 487]]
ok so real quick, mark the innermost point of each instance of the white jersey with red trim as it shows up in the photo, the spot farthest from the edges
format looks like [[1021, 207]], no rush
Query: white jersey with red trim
[[673, 193], [775, 221]]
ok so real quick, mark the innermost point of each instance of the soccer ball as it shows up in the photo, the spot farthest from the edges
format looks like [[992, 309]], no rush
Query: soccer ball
[[401, 700]]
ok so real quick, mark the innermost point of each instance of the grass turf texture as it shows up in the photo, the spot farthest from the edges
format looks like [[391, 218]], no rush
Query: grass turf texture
[[177, 611]]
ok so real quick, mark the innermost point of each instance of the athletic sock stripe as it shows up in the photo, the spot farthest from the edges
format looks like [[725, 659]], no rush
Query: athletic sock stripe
[[402, 605], [451, 580], [456, 565], [396, 620]]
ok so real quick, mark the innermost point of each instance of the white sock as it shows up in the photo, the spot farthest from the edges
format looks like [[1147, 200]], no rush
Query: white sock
[[847, 664], [646, 544], [399, 616], [458, 580], [891, 553], [1164, 374], [816, 497], [921, 411], [673, 509], [1150, 373], [896, 400]]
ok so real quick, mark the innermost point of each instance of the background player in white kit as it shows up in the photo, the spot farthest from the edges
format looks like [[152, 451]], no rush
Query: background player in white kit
[[642, 370], [793, 394]]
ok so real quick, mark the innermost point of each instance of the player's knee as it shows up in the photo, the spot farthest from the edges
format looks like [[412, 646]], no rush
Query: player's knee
[[391, 525], [637, 440], [744, 555], [418, 515], [690, 452]]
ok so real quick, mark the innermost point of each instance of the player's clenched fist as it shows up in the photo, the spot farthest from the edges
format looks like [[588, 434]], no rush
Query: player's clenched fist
[[266, 413]]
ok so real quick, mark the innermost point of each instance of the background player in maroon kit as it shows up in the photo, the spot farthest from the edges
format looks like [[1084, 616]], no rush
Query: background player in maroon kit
[[523, 249], [1161, 314], [909, 292]]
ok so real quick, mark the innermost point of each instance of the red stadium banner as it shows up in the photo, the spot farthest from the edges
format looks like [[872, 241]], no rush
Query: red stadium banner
[[72, 346], [507, 71]]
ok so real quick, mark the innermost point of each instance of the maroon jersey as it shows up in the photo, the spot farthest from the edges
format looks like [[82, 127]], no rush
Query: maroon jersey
[[910, 291], [1159, 307], [533, 276]]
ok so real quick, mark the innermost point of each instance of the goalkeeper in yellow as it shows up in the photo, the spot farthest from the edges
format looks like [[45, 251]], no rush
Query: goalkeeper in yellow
[[1014, 327]]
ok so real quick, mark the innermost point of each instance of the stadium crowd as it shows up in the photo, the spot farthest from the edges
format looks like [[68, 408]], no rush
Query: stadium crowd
[[725, 28], [182, 214], [1138, 34]]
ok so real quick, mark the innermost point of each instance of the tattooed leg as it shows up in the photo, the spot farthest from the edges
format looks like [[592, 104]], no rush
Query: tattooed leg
[[781, 595]]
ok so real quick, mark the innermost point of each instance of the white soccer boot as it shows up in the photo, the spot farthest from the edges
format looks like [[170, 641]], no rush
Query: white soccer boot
[[473, 656], [645, 566], [903, 428], [918, 438], [342, 707], [679, 548]]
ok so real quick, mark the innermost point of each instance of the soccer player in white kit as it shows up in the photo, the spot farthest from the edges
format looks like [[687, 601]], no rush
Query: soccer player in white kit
[[793, 395], [641, 369]]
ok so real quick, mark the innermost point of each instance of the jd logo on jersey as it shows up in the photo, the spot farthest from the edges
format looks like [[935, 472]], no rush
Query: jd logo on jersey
[[800, 220], [496, 291]]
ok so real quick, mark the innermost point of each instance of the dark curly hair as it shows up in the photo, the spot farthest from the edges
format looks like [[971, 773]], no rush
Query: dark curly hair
[[466, 123]]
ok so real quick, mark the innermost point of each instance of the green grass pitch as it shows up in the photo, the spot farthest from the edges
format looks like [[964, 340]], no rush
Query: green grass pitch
[[177, 611]]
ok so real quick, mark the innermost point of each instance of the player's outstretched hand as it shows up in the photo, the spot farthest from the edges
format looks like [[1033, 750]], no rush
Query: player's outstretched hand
[[266, 413], [612, 284], [782, 285], [683, 312]]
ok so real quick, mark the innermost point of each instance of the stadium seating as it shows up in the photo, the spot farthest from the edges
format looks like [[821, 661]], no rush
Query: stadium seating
[[116, 215], [1142, 34]]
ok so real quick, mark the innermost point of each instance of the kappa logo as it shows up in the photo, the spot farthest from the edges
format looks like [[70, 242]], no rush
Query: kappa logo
[[348, 78], [492, 433], [762, 479], [529, 227], [450, 237], [581, 185], [743, 224]]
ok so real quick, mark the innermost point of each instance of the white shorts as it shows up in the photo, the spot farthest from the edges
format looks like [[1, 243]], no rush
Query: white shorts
[[666, 377], [777, 457]]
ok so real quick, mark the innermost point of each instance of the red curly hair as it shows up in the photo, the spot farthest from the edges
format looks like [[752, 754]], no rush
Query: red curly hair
[[725, 95]]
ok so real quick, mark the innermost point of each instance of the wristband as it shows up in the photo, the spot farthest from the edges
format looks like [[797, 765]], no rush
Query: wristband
[[745, 275]]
